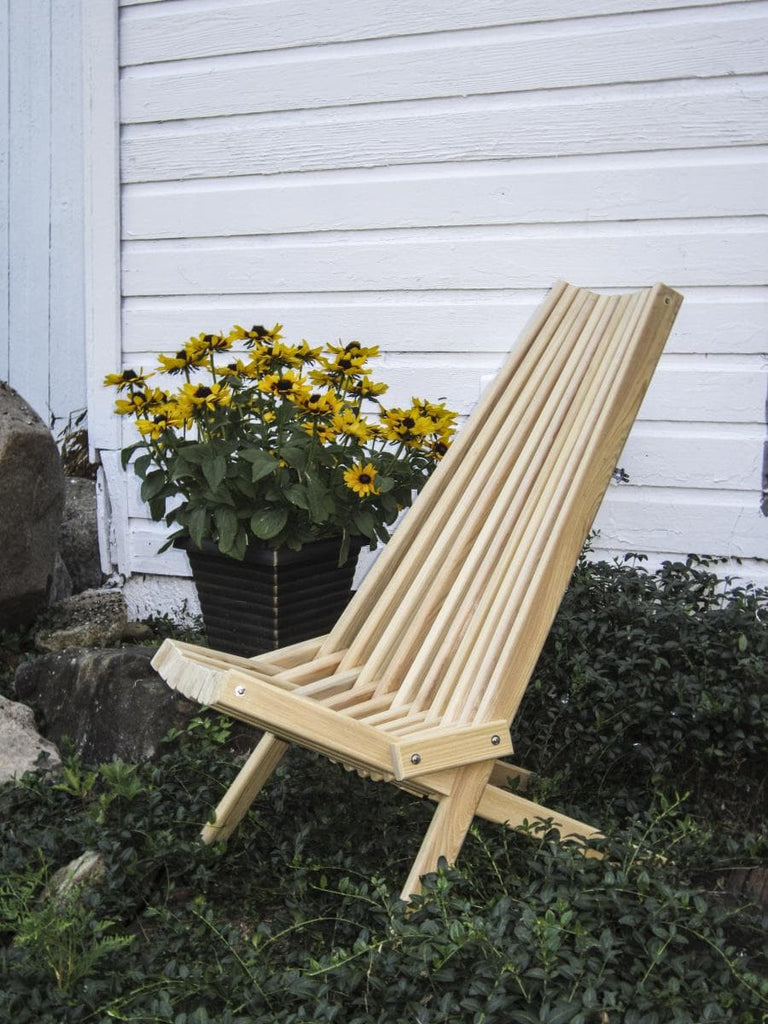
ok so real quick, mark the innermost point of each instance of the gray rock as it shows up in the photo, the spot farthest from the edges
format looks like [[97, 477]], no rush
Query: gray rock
[[87, 870], [95, 618], [20, 743], [31, 504], [109, 703], [78, 536]]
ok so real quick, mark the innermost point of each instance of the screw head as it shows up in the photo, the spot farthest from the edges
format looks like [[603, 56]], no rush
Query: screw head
[[495, 740], [240, 691], [415, 758]]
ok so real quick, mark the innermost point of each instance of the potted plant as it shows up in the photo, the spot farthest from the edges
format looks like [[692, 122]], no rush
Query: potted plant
[[265, 450]]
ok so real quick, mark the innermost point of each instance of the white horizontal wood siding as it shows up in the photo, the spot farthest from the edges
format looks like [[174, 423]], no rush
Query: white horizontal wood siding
[[41, 206], [417, 175]]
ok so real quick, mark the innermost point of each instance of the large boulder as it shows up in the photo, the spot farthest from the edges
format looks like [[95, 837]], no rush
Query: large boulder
[[31, 505], [21, 745], [108, 702], [79, 536]]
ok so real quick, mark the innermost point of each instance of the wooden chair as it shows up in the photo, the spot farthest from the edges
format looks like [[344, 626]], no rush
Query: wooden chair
[[418, 682]]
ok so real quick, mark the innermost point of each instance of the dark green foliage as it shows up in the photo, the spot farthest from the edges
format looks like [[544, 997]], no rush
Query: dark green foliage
[[296, 920]]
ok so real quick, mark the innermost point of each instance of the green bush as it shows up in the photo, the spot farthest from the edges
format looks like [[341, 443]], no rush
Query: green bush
[[296, 919]]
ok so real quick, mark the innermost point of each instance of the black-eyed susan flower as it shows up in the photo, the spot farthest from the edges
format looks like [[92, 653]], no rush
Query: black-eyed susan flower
[[323, 431], [139, 402], [318, 403], [199, 396], [405, 425], [349, 423], [282, 385], [127, 379], [361, 479]]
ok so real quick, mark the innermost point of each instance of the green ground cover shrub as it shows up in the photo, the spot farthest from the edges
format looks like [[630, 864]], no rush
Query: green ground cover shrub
[[296, 920]]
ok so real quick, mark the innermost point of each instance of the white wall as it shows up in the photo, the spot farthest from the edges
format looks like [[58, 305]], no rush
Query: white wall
[[42, 349], [416, 176]]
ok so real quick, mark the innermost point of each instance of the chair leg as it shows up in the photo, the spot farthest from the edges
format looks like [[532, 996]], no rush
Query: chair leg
[[450, 824], [247, 785]]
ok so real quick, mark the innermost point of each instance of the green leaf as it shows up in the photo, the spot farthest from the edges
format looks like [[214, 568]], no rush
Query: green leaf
[[262, 463], [215, 470], [365, 523], [197, 524], [320, 501], [152, 486], [297, 495], [295, 457], [268, 522], [384, 483], [142, 464], [226, 526]]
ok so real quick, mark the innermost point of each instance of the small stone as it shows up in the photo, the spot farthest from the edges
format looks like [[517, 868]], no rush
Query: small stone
[[137, 631], [20, 743], [87, 869]]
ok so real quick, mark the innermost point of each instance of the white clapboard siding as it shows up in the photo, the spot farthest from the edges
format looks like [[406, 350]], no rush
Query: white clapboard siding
[[415, 176], [606, 255], [723, 320], [670, 455], [638, 519], [212, 27], [675, 44], [574, 189], [607, 119]]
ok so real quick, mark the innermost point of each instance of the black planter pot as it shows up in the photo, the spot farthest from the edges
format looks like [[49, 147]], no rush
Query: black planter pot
[[271, 598]]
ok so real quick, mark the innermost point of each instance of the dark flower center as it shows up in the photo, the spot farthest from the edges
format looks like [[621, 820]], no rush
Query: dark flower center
[[365, 478], [409, 422], [284, 386], [202, 391]]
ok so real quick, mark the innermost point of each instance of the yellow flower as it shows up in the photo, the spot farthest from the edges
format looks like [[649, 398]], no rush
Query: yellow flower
[[140, 401], [360, 479], [319, 429], [164, 419], [286, 385], [347, 422], [126, 379], [443, 419], [205, 344], [405, 425], [318, 403], [197, 396], [256, 335], [367, 388], [355, 350]]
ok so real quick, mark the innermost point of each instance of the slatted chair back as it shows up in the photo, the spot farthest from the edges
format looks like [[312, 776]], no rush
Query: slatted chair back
[[452, 617]]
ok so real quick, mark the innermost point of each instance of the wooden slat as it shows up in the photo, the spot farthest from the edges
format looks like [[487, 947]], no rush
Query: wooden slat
[[516, 460], [395, 570], [431, 750]]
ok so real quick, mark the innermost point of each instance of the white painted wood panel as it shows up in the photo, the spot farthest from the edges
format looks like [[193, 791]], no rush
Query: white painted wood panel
[[29, 192], [151, 31], [711, 320], [608, 119], [41, 299], [573, 189], [5, 139], [602, 255], [676, 44], [704, 522], [725, 456]]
